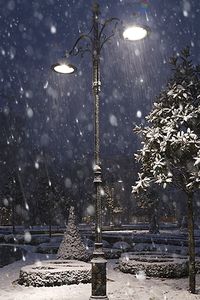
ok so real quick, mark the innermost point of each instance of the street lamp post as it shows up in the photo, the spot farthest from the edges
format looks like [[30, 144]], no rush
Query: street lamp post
[[96, 39], [98, 261]]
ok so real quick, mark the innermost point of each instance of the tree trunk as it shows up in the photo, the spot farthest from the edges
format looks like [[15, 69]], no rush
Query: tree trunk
[[191, 244], [50, 230], [50, 222], [13, 218], [153, 220], [181, 211]]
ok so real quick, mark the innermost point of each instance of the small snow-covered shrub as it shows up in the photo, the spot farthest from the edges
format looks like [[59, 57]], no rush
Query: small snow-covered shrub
[[123, 246], [56, 240], [2, 238], [112, 253], [88, 243], [145, 247], [106, 244], [9, 238], [19, 239], [39, 239], [48, 248]]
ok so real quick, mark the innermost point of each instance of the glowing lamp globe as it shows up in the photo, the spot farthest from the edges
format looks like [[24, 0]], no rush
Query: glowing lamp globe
[[135, 33], [63, 68]]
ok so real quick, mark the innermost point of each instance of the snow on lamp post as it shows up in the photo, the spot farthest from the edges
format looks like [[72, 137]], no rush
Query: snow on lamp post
[[96, 38]]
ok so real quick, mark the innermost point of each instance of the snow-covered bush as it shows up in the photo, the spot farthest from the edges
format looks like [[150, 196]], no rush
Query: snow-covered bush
[[88, 243], [39, 239], [72, 246], [56, 239], [9, 238], [122, 246], [55, 273], [154, 264], [1, 238], [48, 248], [106, 244]]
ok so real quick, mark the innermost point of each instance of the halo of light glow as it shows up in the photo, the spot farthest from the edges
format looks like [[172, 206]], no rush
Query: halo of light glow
[[64, 68], [135, 33]]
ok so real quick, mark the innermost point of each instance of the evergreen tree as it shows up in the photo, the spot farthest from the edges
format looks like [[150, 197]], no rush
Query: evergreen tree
[[13, 194], [72, 246], [12, 142], [149, 201], [171, 143]]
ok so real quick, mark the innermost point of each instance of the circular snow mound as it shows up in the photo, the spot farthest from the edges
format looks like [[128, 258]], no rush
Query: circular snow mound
[[121, 245], [154, 264], [55, 273]]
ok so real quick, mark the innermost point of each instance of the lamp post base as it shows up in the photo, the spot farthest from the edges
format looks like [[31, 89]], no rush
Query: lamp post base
[[98, 274], [98, 298]]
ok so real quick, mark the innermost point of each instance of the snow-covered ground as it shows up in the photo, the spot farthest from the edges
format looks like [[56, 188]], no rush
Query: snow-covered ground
[[120, 286]]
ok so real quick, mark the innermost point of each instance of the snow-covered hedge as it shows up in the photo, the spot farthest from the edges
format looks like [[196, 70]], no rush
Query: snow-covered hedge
[[124, 246], [154, 264], [9, 238], [1, 238], [48, 248], [39, 239], [140, 247], [55, 273], [56, 239], [9, 254], [112, 253]]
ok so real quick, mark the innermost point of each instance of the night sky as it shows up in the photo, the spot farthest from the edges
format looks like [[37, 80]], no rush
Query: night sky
[[58, 109]]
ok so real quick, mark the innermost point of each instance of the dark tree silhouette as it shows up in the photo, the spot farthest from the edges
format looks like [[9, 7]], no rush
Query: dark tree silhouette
[[149, 201]]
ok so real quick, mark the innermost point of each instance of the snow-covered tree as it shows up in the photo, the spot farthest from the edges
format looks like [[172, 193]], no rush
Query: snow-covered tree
[[149, 200], [13, 197], [72, 246], [170, 150]]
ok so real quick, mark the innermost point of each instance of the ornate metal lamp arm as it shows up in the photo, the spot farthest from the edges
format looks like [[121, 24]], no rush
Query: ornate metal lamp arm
[[102, 38], [108, 22], [80, 50]]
